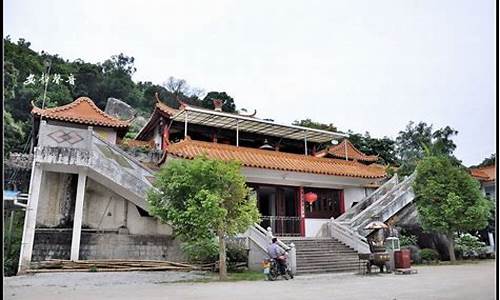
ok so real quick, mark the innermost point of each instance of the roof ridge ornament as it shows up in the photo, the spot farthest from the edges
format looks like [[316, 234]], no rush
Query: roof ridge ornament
[[249, 115], [218, 103]]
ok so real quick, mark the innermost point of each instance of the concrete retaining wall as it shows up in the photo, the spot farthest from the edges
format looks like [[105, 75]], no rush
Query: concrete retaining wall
[[110, 245]]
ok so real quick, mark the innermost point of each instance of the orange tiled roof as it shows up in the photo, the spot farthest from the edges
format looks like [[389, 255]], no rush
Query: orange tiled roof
[[486, 173], [138, 144], [339, 151], [274, 160], [83, 111], [166, 109]]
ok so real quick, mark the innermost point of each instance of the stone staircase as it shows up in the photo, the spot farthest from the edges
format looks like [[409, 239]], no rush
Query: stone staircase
[[322, 255]]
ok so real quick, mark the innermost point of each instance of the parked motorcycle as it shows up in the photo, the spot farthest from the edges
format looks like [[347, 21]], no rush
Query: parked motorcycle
[[271, 268]]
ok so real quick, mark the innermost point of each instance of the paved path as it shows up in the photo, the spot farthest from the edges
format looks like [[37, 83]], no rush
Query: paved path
[[468, 281]]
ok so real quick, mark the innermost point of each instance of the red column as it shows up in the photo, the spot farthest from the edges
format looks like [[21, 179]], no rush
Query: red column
[[165, 138], [302, 212], [341, 202]]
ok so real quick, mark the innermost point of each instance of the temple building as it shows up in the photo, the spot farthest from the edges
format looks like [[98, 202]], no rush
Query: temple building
[[88, 185], [281, 162]]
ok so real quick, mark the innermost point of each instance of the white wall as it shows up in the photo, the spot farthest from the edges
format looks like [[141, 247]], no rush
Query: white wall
[[48, 211], [107, 134], [102, 208], [313, 226], [354, 194], [257, 175]]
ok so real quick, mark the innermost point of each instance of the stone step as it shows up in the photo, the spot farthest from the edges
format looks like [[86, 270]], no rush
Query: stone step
[[321, 263], [326, 251], [345, 268], [330, 266], [327, 266], [329, 241], [320, 245], [328, 257]]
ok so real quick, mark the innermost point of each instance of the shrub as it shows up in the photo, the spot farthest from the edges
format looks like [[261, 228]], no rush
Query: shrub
[[415, 254], [429, 255], [407, 240], [201, 251], [236, 253], [12, 249], [468, 245], [207, 251]]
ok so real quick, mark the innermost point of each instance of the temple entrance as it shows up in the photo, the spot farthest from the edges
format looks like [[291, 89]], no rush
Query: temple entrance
[[278, 206], [330, 203]]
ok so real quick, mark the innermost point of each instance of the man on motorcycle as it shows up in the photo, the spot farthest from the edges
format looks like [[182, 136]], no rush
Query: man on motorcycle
[[277, 253]]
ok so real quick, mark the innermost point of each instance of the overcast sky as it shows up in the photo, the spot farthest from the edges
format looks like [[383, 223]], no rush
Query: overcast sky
[[361, 65]]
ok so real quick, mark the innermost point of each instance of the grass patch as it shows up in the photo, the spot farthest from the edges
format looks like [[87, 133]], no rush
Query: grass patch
[[232, 276], [246, 276]]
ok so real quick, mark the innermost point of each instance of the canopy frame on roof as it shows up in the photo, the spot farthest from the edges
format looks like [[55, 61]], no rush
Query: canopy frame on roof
[[200, 116]]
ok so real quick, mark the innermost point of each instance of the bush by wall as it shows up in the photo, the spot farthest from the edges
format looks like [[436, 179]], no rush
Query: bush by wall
[[429, 255]]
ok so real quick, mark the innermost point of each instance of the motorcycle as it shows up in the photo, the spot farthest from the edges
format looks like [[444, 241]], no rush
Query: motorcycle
[[271, 268]]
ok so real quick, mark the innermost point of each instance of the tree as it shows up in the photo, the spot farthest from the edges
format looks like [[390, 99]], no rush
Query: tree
[[13, 133], [203, 199], [228, 101], [448, 199], [487, 161], [317, 125], [117, 81], [411, 145], [383, 147]]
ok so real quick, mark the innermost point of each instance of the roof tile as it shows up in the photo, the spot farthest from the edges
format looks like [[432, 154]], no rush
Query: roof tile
[[83, 111], [486, 173], [251, 157], [339, 151]]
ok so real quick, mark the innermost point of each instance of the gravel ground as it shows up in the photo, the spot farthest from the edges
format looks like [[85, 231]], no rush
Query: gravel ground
[[98, 279], [468, 281]]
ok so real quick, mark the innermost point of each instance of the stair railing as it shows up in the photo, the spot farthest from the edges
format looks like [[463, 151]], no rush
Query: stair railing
[[403, 196], [263, 238], [368, 200], [348, 236]]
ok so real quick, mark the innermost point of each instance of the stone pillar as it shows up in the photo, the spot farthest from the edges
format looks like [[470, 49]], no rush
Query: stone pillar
[[292, 255], [30, 218], [77, 219]]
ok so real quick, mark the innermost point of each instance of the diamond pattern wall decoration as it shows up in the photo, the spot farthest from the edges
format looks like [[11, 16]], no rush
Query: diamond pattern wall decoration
[[61, 136]]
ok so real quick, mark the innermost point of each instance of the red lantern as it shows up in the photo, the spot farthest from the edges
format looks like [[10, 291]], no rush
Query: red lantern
[[310, 197]]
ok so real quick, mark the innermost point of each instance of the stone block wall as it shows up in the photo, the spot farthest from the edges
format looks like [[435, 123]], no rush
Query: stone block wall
[[109, 245]]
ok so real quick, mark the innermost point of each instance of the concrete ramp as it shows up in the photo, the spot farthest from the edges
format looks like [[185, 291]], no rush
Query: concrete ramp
[[69, 150]]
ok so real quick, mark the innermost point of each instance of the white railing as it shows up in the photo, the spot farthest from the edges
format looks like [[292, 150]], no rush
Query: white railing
[[348, 236], [368, 212], [370, 199], [403, 196], [74, 148], [262, 238]]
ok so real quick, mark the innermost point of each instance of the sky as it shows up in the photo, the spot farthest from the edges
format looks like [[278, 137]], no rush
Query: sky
[[361, 65]]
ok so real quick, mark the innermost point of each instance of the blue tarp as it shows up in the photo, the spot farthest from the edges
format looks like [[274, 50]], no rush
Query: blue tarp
[[10, 195]]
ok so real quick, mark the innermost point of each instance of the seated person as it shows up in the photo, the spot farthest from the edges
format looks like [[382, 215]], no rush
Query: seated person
[[277, 253]]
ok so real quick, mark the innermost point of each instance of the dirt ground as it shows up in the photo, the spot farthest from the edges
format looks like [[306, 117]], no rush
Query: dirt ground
[[466, 281]]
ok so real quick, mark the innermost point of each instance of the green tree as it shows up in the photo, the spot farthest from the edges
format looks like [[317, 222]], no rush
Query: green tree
[[383, 147], [228, 101], [117, 81], [487, 161], [316, 125], [413, 142], [448, 199], [203, 199], [13, 133]]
